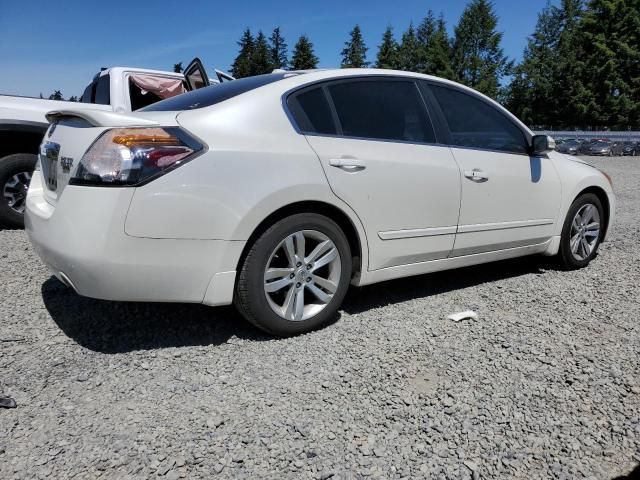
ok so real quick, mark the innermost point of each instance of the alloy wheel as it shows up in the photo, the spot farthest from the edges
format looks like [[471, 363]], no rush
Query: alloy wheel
[[15, 190], [302, 275], [585, 231]]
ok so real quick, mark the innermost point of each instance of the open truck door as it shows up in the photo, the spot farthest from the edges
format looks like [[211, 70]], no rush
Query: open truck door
[[195, 76]]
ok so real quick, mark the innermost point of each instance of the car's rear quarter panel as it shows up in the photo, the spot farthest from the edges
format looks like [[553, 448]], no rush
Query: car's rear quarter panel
[[207, 199]]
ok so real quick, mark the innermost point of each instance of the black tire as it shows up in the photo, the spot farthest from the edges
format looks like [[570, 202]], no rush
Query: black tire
[[11, 165], [566, 258], [250, 298]]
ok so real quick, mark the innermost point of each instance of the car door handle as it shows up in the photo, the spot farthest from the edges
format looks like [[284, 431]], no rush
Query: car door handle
[[348, 164], [476, 175]]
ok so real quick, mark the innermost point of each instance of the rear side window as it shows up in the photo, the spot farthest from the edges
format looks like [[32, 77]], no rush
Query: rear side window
[[311, 112], [476, 124], [103, 88], [382, 109]]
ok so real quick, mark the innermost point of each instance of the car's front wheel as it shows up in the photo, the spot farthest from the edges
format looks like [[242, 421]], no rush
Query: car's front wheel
[[582, 232], [295, 275]]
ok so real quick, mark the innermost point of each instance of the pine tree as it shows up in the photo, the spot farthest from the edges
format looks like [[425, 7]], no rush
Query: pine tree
[[277, 50], [388, 51], [409, 51], [427, 28], [56, 95], [242, 65], [608, 41], [354, 53], [478, 59], [260, 59], [531, 93], [424, 34], [177, 67], [569, 89], [438, 53], [434, 47], [72, 98], [547, 89], [303, 57]]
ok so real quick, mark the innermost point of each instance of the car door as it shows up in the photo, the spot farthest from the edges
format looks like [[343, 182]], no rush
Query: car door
[[509, 198], [378, 149]]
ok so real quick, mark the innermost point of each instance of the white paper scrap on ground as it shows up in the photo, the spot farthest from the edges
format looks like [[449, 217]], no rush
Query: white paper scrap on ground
[[468, 315]]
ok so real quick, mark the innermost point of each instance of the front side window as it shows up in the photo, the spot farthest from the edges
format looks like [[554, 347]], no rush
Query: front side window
[[474, 123], [382, 109]]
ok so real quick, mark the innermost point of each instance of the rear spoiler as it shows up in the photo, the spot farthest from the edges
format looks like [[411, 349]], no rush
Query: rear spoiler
[[101, 118]]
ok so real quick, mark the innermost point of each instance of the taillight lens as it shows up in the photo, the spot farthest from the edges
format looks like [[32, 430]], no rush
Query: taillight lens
[[130, 156]]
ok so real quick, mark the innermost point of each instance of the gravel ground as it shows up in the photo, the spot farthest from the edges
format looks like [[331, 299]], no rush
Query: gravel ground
[[546, 384]]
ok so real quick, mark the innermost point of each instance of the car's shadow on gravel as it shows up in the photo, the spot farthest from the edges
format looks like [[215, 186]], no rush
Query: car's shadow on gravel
[[634, 475], [119, 327], [9, 227], [403, 289]]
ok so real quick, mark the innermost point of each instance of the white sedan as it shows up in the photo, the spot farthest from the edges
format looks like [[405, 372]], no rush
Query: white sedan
[[276, 192]]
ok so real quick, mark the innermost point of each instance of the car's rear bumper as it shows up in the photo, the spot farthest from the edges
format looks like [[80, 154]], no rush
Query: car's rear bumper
[[82, 240]]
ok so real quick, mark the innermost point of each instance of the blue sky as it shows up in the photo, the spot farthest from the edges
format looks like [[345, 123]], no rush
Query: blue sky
[[47, 45]]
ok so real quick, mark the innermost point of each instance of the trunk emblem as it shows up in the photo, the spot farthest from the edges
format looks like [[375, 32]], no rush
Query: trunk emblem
[[49, 160], [66, 163]]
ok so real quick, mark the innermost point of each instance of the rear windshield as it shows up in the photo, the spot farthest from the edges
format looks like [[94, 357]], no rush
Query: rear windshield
[[207, 96]]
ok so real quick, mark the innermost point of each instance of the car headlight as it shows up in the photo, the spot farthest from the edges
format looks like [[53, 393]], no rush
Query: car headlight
[[132, 156]]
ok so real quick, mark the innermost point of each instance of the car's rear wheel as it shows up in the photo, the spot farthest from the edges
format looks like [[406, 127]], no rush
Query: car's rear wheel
[[295, 275], [582, 232], [15, 176]]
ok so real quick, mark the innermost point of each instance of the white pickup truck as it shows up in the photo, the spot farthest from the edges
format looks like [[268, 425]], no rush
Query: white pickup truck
[[117, 89]]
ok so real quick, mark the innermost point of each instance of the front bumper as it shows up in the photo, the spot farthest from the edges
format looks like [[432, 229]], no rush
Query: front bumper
[[82, 240]]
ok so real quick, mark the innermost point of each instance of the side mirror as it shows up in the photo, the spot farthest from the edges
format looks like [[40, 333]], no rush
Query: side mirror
[[541, 144]]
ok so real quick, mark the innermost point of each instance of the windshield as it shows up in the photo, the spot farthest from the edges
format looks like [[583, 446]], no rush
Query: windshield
[[207, 96]]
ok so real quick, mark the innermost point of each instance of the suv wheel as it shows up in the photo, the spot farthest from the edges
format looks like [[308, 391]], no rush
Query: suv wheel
[[15, 176], [295, 275], [582, 232]]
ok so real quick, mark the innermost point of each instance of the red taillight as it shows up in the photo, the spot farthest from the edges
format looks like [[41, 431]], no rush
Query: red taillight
[[164, 157]]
